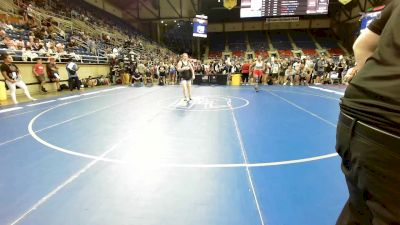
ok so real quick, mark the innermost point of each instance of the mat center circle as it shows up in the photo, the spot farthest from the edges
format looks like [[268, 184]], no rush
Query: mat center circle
[[205, 103]]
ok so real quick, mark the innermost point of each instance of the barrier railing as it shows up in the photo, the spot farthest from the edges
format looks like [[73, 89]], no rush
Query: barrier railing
[[31, 56]]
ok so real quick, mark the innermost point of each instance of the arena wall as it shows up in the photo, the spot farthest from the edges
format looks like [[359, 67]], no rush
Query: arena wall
[[85, 70]]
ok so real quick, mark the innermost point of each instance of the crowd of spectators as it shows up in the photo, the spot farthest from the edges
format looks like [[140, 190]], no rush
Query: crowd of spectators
[[42, 40], [303, 70], [37, 36]]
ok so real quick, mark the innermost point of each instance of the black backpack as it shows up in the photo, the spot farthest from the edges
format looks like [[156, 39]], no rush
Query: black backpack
[[64, 87]]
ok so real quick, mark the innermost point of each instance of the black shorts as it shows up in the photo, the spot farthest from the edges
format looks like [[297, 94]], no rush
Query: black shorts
[[245, 77], [186, 77], [162, 74]]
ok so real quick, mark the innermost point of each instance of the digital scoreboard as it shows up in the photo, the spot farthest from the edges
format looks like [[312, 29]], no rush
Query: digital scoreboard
[[271, 8]]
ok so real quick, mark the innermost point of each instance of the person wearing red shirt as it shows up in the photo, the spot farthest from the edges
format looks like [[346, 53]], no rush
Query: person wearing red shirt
[[245, 72], [38, 70]]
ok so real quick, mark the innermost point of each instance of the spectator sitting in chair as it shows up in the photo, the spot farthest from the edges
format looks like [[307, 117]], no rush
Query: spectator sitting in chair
[[89, 82], [38, 71], [149, 77], [52, 72], [103, 80], [2, 35], [20, 44], [13, 77], [9, 43], [137, 78], [141, 68]]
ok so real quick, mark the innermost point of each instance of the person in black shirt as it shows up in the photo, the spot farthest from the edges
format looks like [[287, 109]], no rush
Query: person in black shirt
[[137, 79], [13, 78], [368, 131], [131, 67], [186, 71], [330, 66], [340, 68], [162, 69]]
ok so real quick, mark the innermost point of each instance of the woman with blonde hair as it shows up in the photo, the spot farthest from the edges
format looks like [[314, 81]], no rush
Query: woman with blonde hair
[[186, 71]]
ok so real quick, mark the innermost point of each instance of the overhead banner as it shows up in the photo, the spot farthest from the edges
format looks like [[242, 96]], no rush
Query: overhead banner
[[230, 4]]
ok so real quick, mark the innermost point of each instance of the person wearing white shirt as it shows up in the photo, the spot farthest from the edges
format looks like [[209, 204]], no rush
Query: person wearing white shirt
[[275, 67], [289, 73], [73, 79]]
